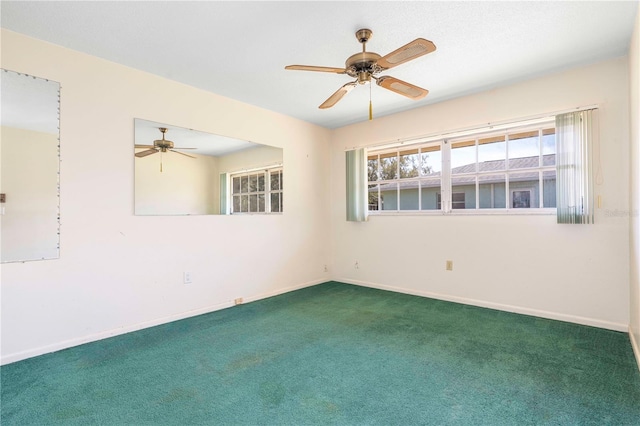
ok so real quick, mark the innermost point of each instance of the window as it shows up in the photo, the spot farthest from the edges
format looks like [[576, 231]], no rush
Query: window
[[521, 199], [257, 191], [275, 185], [457, 200], [405, 179], [513, 168]]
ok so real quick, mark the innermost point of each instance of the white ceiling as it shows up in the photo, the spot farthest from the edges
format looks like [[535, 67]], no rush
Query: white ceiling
[[239, 49]]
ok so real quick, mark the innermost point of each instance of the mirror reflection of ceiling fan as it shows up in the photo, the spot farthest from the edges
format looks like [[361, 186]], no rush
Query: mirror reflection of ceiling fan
[[160, 145], [365, 66]]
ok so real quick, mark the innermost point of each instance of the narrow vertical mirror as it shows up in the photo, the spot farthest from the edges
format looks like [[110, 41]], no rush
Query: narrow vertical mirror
[[29, 168], [182, 171]]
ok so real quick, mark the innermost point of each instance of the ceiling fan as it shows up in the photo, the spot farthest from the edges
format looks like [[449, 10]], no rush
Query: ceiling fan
[[160, 145], [365, 66]]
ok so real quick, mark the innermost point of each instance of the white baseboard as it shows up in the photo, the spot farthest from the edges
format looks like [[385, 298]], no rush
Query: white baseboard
[[19, 356], [635, 345], [498, 306], [284, 290]]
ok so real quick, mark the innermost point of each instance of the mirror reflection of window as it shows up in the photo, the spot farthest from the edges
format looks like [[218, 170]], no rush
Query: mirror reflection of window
[[257, 191], [182, 171], [29, 206], [277, 201]]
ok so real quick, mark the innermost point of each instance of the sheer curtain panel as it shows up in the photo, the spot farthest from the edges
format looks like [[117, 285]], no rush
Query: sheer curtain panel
[[575, 132]]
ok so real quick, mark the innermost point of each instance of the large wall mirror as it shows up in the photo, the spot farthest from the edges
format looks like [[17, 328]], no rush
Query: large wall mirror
[[181, 171], [29, 168]]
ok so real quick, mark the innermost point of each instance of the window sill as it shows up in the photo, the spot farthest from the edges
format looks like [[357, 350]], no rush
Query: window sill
[[468, 212]]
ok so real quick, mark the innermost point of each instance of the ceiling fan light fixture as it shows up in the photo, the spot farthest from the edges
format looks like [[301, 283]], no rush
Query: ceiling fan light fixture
[[364, 77]]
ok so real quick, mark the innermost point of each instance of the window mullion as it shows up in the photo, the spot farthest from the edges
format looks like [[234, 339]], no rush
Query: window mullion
[[507, 192], [398, 180], [477, 185], [540, 177], [419, 179], [507, 200], [540, 189], [267, 190], [445, 184]]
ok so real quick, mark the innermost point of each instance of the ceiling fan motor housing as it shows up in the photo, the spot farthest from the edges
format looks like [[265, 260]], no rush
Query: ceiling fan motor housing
[[163, 144], [362, 66]]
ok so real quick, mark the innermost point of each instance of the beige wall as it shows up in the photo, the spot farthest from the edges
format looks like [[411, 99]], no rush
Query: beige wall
[[634, 67], [520, 263], [119, 272], [249, 159], [185, 186], [29, 178]]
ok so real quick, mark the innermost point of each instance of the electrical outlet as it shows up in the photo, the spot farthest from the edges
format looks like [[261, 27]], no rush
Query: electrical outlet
[[186, 276], [238, 301], [357, 265], [326, 269], [449, 266]]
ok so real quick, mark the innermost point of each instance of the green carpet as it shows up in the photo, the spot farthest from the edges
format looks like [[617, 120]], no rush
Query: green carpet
[[335, 354]]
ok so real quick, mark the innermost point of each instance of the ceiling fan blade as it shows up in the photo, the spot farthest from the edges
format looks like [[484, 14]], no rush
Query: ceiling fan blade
[[333, 99], [145, 153], [182, 153], [402, 87], [314, 68], [145, 146], [409, 51]]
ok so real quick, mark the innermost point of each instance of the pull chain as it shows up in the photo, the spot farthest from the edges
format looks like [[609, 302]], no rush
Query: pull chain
[[370, 104]]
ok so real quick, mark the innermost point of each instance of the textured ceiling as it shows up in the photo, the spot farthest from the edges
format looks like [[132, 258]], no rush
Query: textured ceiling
[[239, 49]]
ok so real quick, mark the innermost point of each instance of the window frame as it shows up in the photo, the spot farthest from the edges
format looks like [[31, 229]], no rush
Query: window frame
[[446, 175], [267, 192]]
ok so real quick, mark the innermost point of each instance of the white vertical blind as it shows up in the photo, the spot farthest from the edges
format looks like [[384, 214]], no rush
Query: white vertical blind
[[575, 132], [356, 185]]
